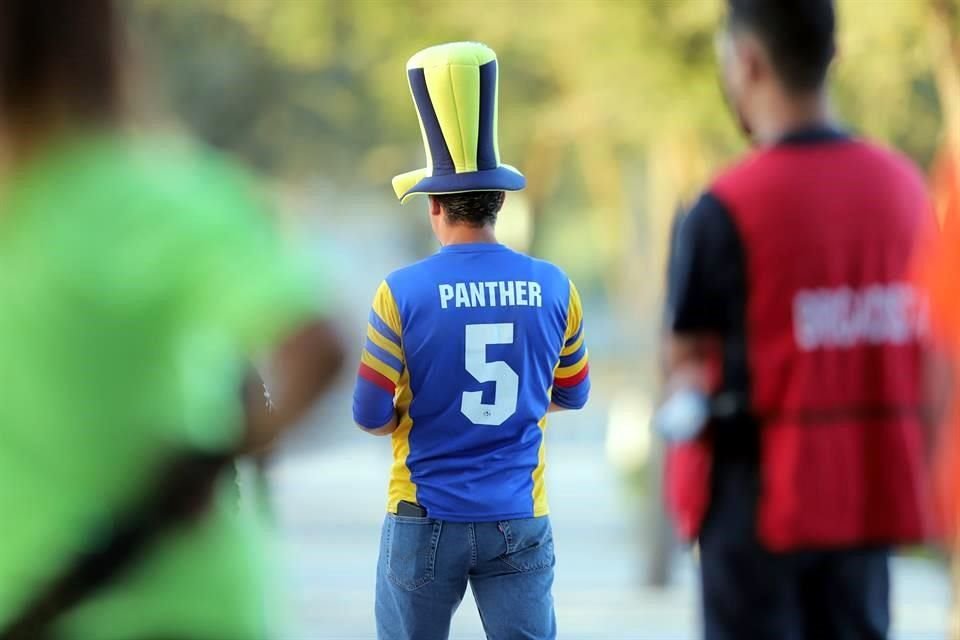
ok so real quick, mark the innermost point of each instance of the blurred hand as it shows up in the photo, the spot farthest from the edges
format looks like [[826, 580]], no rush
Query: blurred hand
[[303, 368], [687, 365]]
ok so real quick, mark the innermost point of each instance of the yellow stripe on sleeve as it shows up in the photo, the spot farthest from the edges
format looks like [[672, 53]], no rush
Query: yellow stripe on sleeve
[[572, 370], [572, 349], [385, 306], [574, 314], [380, 367], [383, 343]]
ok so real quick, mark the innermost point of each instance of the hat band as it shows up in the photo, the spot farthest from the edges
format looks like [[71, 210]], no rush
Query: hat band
[[503, 178]]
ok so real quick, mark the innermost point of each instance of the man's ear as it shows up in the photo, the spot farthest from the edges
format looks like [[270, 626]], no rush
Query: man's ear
[[757, 65], [434, 206]]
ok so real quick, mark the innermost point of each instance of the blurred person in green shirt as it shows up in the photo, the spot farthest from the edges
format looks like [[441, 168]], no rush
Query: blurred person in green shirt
[[138, 278]]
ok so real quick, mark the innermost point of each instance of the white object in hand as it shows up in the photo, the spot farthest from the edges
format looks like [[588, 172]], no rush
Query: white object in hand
[[683, 416]]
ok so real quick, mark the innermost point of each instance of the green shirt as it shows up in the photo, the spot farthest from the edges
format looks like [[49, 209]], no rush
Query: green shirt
[[136, 280]]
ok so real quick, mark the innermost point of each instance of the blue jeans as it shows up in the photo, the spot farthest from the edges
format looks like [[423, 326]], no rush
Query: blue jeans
[[425, 565]]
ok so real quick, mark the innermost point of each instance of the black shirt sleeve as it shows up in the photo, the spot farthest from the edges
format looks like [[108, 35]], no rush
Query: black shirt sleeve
[[706, 291]]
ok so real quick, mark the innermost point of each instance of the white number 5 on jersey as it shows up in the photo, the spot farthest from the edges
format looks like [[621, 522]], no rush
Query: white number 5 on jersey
[[499, 372]]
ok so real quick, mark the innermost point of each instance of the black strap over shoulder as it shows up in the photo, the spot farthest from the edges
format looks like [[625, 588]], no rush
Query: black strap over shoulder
[[183, 493]]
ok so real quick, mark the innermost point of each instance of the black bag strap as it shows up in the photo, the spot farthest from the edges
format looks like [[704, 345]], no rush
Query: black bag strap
[[183, 493]]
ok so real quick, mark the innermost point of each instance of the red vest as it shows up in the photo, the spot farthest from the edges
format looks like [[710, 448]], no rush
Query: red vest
[[834, 347]]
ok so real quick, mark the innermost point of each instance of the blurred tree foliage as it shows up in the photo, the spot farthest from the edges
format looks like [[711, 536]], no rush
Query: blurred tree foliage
[[611, 107]]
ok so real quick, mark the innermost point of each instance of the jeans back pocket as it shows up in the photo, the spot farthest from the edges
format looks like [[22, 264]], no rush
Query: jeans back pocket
[[529, 544], [411, 550]]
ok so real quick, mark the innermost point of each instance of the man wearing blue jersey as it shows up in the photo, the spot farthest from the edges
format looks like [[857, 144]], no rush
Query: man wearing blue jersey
[[466, 353]]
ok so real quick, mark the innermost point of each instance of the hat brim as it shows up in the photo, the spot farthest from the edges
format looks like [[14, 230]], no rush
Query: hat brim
[[503, 178]]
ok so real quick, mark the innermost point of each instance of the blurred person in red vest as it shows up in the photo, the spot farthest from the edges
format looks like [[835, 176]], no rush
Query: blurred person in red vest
[[139, 276], [797, 332]]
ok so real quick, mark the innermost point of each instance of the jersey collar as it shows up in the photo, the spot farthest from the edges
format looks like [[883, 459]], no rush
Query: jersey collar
[[472, 247], [814, 135]]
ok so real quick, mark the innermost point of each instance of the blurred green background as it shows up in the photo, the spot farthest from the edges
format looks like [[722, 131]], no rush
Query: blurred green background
[[612, 109]]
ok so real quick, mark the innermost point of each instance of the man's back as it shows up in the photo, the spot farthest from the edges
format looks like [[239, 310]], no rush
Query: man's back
[[857, 209], [834, 347], [485, 334]]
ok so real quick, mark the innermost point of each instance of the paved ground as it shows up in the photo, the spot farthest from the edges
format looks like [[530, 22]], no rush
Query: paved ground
[[330, 506]]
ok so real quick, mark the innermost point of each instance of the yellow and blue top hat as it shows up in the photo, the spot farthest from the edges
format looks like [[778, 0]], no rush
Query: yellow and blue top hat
[[455, 89]]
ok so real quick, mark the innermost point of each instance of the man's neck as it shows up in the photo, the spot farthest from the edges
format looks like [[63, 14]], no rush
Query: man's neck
[[792, 114], [462, 234]]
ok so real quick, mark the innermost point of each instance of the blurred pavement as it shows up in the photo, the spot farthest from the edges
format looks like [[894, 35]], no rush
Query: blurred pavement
[[330, 499]]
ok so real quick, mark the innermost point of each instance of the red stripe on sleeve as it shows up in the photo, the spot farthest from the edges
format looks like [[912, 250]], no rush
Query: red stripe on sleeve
[[377, 378], [573, 381]]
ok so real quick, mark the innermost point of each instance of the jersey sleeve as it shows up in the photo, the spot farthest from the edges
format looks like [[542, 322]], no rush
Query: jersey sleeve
[[707, 282], [381, 363], [571, 380]]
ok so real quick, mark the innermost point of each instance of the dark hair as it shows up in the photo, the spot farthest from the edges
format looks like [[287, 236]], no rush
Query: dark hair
[[798, 34], [60, 57], [473, 208]]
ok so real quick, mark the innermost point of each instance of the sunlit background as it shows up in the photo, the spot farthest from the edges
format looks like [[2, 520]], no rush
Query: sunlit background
[[612, 109]]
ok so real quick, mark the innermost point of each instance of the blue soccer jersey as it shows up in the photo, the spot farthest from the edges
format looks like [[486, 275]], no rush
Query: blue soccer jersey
[[470, 347]]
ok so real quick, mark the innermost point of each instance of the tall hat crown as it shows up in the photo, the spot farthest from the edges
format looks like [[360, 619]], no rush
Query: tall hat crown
[[454, 88]]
